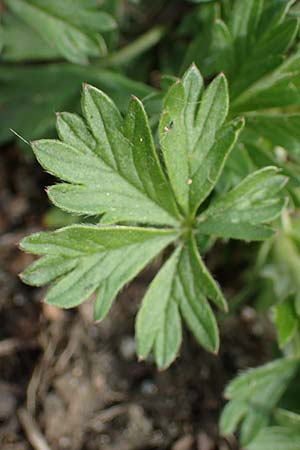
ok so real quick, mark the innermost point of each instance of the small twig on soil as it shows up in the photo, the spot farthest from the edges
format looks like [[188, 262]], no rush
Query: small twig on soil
[[107, 415], [33, 433], [70, 349], [11, 345], [38, 380]]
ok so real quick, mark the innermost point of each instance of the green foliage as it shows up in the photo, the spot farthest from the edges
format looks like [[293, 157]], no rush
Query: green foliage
[[30, 95], [248, 46], [47, 33], [286, 321], [215, 156], [110, 168], [276, 438], [253, 43], [287, 418], [240, 212], [71, 28], [280, 267], [253, 395]]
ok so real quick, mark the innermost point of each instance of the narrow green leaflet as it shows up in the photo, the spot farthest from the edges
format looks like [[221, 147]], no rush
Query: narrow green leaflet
[[232, 415], [287, 418], [183, 284], [91, 259], [243, 26], [192, 131], [286, 320], [254, 380], [276, 438], [282, 268], [103, 167], [72, 27], [153, 328], [253, 396], [242, 212]]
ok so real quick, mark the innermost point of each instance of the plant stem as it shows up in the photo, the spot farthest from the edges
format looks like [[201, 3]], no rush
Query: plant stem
[[137, 47]]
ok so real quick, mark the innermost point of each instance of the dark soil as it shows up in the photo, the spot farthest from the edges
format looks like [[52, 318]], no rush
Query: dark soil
[[67, 383]]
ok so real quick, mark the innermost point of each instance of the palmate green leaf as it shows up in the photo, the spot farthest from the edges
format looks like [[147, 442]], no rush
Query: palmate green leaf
[[72, 27], [192, 131], [251, 45], [183, 284], [276, 438], [253, 396], [254, 34], [243, 212], [92, 259], [260, 34], [112, 169]]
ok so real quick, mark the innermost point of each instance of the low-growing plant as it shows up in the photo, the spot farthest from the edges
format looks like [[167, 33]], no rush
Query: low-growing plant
[[219, 161], [110, 168]]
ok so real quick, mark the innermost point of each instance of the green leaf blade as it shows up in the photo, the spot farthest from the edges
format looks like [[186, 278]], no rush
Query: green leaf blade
[[91, 258], [151, 320], [253, 396], [243, 212], [106, 172], [210, 168], [47, 269], [276, 438], [286, 321], [182, 284], [145, 158], [72, 42], [173, 142]]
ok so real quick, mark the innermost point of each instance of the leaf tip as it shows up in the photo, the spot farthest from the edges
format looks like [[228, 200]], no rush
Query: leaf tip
[[239, 123], [87, 87], [194, 67], [21, 276], [222, 79], [225, 308]]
